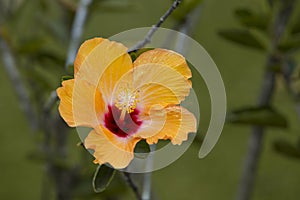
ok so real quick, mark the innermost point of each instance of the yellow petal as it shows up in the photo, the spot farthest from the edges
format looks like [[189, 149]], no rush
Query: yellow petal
[[81, 104], [153, 122], [65, 94], [167, 58], [102, 55], [108, 148], [178, 124], [156, 94], [84, 51], [156, 84], [112, 74]]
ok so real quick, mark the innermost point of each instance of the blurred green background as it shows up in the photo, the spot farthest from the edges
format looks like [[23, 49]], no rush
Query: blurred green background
[[215, 177]]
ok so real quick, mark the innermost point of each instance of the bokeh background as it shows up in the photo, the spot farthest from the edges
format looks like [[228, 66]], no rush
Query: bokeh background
[[38, 32]]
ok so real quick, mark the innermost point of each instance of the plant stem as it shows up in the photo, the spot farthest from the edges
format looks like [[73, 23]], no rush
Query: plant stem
[[267, 90], [187, 27], [18, 84], [149, 35], [146, 193], [76, 33], [77, 29], [132, 185]]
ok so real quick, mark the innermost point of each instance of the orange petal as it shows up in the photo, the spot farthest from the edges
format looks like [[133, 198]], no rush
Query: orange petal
[[84, 50], [167, 58], [81, 104], [102, 55], [178, 124], [108, 148]]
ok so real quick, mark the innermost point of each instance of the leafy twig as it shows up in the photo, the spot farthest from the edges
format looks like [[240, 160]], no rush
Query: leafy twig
[[154, 28], [267, 91]]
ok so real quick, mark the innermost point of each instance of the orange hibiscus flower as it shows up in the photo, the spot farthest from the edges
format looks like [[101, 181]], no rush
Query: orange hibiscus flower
[[124, 101]]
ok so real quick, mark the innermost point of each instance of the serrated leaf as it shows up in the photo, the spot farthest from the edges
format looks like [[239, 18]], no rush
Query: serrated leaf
[[242, 37], [286, 148], [102, 178], [261, 116], [250, 19]]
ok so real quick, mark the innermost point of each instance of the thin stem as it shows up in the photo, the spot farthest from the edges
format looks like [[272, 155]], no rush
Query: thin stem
[[149, 35], [187, 28], [146, 193], [54, 127], [132, 185], [18, 84], [76, 33], [77, 29]]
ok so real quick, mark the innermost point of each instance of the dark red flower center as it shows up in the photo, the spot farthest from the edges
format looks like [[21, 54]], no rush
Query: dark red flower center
[[122, 128]]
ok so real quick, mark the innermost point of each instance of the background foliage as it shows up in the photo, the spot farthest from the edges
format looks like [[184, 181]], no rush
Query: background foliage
[[38, 33]]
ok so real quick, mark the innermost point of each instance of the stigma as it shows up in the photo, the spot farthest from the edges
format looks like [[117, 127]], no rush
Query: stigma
[[126, 100]]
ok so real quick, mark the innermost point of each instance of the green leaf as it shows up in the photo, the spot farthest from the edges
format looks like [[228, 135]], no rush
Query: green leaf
[[66, 77], [113, 6], [141, 149], [286, 148], [102, 178], [31, 46], [250, 19], [135, 54], [242, 37], [295, 29], [290, 44], [261, 116], [37, 156]]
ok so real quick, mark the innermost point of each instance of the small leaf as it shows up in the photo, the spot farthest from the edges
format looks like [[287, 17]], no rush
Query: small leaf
[[141, 149], [261, 116], [290, 44], [242, 37], [295, 29], [250, 19], [286, 148], [66, 77], [102, 178], [135, 54]]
